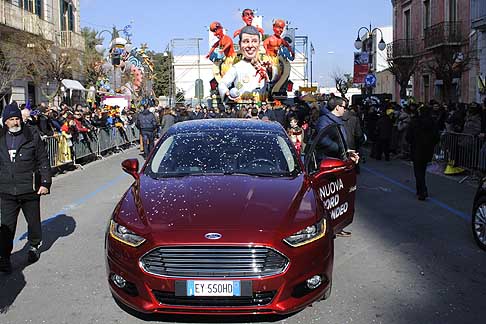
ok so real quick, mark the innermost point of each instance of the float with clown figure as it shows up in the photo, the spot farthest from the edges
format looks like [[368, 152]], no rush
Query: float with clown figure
[[255, 73]]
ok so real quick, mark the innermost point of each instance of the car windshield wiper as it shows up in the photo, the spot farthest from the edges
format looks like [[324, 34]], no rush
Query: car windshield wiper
[[188, 174], [241, 173], [259, 174]]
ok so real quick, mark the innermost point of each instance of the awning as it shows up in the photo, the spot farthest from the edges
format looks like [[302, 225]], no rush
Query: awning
[[73, 85]]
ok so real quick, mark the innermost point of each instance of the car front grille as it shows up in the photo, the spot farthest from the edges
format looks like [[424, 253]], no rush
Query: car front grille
[[258, 299], [214, 262]]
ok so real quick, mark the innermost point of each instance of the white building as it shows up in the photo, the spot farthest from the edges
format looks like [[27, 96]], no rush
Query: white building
[[57, 21], [380, 58]]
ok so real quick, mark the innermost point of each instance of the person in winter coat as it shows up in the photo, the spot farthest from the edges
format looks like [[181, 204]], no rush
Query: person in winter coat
[[372, 116], [183, 115], [24, 177], [384, 128], [354, 133], [439, 116], [422, 135], [336, 107], [148, 126], [265, 111], [168, 119], [279, 113], [44, 122], [402, 127], [228, 113], [197, 114], [472, 123]]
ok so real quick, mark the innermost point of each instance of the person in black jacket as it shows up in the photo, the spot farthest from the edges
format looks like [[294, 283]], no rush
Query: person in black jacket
[[44, 122], [147, 124], [422, 136], [24, 177], [384, 128], [354, 133]]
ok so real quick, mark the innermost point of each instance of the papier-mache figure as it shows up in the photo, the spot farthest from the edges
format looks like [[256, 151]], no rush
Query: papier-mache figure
[[249, 76], [273, 43], [223, 48], [247, 16]]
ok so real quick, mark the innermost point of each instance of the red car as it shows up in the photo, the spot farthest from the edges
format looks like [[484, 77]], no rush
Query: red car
[[224, 218]]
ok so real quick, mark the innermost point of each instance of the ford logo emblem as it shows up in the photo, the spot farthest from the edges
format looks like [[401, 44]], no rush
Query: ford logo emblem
[[213, 236]]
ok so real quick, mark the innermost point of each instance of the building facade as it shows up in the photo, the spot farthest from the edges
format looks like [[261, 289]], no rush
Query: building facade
[[55, 21], [433, 37], [478, 24]]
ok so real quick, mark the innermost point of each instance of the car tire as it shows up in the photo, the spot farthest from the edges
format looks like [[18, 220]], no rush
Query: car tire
[[327, 294], [479, 220]]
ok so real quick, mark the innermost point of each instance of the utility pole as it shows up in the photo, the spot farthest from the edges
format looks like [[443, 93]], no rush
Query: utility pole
[[312, 53], [198, 67]]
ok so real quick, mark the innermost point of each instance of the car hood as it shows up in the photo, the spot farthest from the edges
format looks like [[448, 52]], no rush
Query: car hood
[[234, 204]]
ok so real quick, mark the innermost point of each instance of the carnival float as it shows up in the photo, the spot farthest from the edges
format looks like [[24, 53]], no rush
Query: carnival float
[[124, 70], [259, 69]]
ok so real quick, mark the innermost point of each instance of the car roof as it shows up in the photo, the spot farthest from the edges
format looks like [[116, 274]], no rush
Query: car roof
[[226, 124]]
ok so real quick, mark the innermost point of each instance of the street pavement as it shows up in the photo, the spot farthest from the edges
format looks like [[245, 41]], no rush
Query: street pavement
[[407, 261]]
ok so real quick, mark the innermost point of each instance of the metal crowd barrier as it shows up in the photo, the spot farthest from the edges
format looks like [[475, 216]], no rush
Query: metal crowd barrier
[[462, 150], [62, 150]]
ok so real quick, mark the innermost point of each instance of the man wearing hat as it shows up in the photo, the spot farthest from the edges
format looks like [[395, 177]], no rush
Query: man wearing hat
[[24, 177]]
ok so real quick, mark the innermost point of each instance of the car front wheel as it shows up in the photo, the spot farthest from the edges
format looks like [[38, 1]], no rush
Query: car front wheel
[[479, 223]]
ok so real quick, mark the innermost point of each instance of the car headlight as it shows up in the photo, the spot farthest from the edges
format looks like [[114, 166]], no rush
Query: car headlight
[[124, 235], [309, 234]]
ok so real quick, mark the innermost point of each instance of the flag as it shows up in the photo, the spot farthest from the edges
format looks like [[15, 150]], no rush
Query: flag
[[312, 49]]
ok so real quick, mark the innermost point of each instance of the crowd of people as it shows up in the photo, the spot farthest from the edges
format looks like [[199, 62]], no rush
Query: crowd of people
[[387, 124], [77, 121], [384, 124]]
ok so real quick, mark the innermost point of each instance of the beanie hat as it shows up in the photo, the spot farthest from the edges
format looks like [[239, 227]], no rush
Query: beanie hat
[[11, 110]]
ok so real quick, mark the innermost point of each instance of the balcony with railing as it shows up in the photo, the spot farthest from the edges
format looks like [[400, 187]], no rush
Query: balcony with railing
[[444, 33], [478, 14], [17, 18], [402, 48]]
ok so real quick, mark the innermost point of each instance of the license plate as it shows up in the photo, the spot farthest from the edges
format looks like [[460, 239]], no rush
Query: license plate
[[213, 288]]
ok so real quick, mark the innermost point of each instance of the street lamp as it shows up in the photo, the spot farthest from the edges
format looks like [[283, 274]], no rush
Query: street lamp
[[115, 41], [358, 44]]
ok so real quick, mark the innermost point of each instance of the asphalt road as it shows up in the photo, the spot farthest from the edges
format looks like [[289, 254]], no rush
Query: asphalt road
[[406, 262]]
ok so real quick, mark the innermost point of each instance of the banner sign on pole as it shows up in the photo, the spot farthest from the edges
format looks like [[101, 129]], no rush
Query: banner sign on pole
[[361, 67]]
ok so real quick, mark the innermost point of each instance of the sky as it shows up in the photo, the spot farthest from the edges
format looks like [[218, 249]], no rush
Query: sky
[[331, 25]]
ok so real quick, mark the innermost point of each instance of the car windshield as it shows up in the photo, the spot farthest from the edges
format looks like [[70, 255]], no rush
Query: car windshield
[[230, 152]]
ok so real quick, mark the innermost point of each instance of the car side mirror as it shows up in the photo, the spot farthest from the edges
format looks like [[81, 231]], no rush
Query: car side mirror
[[130, 166], [330, 165]]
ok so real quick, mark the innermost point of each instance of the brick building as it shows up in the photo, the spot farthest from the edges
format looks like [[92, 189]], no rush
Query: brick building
[[478, 23], [434, 37]]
